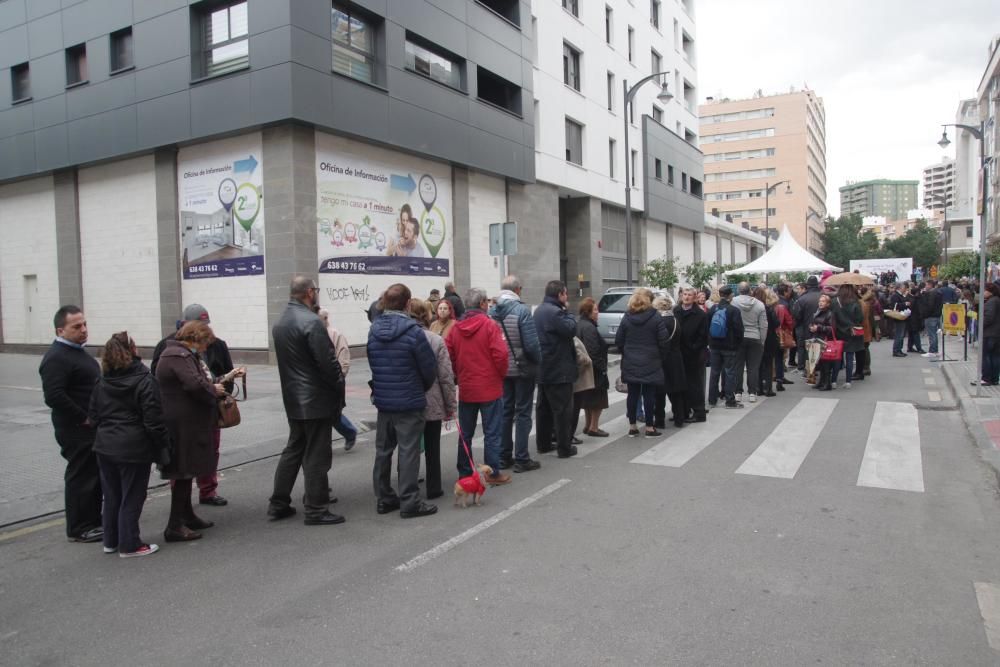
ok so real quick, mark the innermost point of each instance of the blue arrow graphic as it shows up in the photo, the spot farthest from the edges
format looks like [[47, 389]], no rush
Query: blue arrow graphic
[[247, 165], [405, 183]]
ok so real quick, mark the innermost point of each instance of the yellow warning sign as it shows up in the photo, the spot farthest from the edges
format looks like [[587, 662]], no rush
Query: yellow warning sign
[[953, 318]]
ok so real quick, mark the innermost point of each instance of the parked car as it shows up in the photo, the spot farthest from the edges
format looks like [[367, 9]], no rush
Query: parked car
[[611, 308]]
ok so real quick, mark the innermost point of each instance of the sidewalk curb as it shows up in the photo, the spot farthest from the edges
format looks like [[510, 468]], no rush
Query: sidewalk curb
[[988, 452]]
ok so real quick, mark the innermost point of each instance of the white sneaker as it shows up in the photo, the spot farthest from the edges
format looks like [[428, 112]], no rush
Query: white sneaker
[[927, 355], [834, 385], [739, 398], [753, 398], [847, 385]]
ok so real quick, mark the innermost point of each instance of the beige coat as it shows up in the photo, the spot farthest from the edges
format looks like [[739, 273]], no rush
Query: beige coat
[[584, 368], [342, 348]]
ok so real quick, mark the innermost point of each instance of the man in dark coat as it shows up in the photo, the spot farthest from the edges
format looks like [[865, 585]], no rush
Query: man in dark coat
[[69, 375], [723, 350], [312, 389], [403, 368], [555, 328], [898, 301], [220, 362], [693, 341], [931, 304], [802, 310]]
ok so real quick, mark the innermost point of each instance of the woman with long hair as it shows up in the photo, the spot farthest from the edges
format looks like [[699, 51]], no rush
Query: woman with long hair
[[445, 318], [823, 327], [643, 340], [130, 435], [692, 341], [190, 409], [674, 383], [848, 320], [442, 400], [592, 401], [771, 342]]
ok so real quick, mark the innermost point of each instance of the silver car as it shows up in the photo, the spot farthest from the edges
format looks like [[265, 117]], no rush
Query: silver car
[[611, 308]]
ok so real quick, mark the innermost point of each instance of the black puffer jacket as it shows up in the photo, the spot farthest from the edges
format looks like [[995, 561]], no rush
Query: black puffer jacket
[[312, 383], [125, 409], [644, 341], [556, 329]]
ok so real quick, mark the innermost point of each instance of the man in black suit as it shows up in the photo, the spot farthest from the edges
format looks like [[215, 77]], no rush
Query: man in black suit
[[69, 374]]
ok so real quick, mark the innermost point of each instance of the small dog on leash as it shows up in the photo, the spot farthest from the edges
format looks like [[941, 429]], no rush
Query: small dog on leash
[[473, 485]]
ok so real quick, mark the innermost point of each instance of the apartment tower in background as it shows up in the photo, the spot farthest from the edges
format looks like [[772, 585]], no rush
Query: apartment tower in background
[[751, 144], [939, 186], [891, 199]]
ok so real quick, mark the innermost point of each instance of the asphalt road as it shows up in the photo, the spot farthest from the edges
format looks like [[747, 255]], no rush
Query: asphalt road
[[642, 551]]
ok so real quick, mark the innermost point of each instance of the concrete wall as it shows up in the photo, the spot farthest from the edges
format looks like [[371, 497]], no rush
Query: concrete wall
[[536, 209], [487, 204], [665, 201], [28, 230], [682, 241], [118, 249]]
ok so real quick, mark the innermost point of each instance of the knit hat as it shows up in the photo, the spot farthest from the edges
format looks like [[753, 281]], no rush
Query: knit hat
[[196, 313]]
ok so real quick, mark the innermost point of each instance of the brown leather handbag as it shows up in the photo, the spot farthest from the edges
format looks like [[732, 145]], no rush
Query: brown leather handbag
[[229, 409]]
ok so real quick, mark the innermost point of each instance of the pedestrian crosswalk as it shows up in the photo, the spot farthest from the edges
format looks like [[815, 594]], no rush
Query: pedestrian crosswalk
[[892, 457]]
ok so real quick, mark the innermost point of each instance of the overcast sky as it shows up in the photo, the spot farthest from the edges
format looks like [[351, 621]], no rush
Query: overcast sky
[[889, 71]]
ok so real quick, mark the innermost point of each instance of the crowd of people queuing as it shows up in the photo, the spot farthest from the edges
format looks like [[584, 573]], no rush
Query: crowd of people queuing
[[472, 359]]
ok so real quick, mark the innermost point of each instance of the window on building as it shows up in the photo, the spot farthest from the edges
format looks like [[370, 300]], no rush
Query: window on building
[[968, 232], [353, 43], [574, 142], [612, 146], [122, 57], [684, 182], [611, 91], [670, 174], [772, 211], [572, 6], [20, 83], [654, 13], [76, 65], [608, 24], [695, 186], [498, 91], [657, 169], [655, 61], [657, 114], [571, 66], [435, 63], [634, 165], [631, 43], [222, 34], [508, 9]]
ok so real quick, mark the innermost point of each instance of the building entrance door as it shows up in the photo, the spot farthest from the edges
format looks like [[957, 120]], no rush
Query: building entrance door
[[34, 324]]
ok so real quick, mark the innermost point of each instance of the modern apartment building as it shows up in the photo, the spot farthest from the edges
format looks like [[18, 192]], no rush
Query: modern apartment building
[[752, 144], [207, 151], [966, 171], [939, 186], [586, 52], [161, 153], [890, 199], [988, 105]]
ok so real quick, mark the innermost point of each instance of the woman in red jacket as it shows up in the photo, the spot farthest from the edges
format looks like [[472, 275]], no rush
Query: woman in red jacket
[[786, 333]]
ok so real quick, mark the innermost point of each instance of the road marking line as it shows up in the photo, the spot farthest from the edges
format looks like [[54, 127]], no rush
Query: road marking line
[[27, 530], [18, 388], [783, 451], [934, 396], [925, 370], [988, 596], [930, 382], [444, 547], [892, 454], [675, 452]]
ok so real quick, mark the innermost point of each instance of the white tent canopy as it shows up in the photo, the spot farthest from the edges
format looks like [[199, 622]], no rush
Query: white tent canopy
[[784, 256]]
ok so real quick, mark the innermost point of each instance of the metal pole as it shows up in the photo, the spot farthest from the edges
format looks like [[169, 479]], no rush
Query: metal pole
[[628, 195], [767, 216], [982, 253]]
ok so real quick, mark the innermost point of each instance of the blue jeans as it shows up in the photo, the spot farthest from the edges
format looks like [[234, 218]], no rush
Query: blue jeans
[[898, 335], [724, 366], [647, 392], [518, 394], [344, 427], [932, 325], [492, 414]]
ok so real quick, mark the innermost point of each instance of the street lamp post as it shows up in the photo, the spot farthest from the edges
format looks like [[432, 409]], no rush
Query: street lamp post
[[664, 96], [768, 188], [978, 133]]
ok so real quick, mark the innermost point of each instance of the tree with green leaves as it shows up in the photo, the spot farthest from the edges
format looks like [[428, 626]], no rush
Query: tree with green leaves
[[845, 239], [919, 242], [701, 274], [660, 273]]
